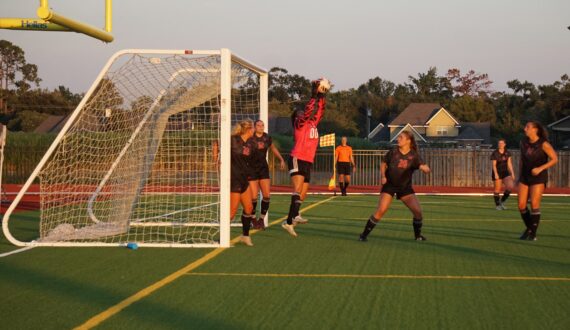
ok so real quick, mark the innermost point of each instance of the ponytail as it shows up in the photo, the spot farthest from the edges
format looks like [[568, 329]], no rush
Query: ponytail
[[242, 127]]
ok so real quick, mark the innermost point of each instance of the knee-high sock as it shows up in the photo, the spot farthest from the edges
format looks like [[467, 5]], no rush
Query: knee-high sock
[[534, 220], [341, 186], [264, 207], [506, 195], [417, 223], [370, 224], [496, 198], [246, 223], [254, 204], [294, 207], [346, 186], [525, 216]]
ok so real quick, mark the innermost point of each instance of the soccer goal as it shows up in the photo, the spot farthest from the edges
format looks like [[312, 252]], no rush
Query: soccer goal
[[145, 157]]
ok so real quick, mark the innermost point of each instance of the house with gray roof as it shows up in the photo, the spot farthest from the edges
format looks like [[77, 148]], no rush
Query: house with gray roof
[[431, 123]]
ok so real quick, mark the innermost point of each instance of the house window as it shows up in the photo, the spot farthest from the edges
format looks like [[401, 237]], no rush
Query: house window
[[441, 131]]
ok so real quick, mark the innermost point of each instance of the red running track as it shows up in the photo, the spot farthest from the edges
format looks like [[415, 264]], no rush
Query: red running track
[[31, 201]]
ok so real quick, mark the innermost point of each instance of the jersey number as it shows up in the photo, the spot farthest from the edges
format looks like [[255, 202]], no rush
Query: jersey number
[[313, 133]]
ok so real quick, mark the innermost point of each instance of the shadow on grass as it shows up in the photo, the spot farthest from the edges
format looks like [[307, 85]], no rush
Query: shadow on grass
[[328, 232], [90, 298]]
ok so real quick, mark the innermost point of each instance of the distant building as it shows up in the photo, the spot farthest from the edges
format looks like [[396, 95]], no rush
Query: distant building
[[433, 124], [560, 133], [52, 124]]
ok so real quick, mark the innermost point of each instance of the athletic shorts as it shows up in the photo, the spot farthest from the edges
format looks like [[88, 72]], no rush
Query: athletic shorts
[[343, 168], [502, 175], [239, 185], [300, 167], [531, 180], [398, 191], [259, 173]]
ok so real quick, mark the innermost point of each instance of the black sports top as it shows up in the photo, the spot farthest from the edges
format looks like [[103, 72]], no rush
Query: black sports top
[[401, 167], [502, 160], [262, 144], [242, 153], [533, 156]]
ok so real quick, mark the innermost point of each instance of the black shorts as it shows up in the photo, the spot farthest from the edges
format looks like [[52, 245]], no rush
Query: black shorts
[[259, 173], [343, 168], [502, 175], [300, 167], [239, 185], [531, 180], [398, 191]]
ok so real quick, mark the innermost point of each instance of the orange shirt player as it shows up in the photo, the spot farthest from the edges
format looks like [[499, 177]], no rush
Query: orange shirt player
[[344, 161]]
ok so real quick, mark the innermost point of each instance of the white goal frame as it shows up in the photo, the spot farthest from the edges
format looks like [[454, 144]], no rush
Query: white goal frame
[[226, 60]]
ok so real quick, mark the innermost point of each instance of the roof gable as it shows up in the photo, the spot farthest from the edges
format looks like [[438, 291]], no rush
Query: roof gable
[[442, 112], [416, 114], [375, 131], [410, 128], [560, 124]]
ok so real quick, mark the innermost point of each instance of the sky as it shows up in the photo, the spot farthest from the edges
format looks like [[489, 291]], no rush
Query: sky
[[348, 42]]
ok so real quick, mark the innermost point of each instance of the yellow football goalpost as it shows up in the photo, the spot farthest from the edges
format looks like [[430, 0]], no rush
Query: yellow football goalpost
[[52, 21]]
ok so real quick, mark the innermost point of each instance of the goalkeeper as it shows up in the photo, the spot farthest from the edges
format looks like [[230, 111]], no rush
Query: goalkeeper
[[306, 137]]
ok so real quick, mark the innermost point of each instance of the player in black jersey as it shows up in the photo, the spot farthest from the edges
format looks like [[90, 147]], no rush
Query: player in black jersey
[[260, 171], [241, 156], [537, 155], [397, 168], [502, 173]]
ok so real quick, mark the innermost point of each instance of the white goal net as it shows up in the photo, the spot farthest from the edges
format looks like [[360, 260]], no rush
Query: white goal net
[[145, 156]]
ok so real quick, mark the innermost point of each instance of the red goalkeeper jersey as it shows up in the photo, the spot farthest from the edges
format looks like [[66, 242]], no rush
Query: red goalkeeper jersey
[[305, 133]]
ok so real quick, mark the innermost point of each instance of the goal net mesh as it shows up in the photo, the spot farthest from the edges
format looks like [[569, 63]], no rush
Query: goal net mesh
[[139, 162]]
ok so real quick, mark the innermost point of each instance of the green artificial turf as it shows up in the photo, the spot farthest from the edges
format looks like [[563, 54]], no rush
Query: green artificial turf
[[323, 279]]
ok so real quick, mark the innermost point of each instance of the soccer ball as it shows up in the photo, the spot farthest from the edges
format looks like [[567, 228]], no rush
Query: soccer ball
[[324, 85]]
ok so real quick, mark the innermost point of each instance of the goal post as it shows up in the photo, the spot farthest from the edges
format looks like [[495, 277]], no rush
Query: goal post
[[135, 161]]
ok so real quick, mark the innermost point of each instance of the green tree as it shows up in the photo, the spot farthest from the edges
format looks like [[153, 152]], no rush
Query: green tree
[[26, 121], [430, 87], [15, 71], [473, 109]]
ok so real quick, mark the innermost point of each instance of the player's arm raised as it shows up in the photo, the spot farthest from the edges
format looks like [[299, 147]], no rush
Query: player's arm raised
[[319, 93]]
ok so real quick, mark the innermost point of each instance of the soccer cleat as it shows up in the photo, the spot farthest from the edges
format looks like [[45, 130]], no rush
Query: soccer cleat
[[258, 224], [362, 238], [246, 240], [261, 223], [498, 208], [503, 207], [289, 228], [420, 238], [532, 237], [526, 234], [298, 220]]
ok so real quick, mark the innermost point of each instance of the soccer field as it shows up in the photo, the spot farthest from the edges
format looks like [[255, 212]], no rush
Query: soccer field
[[472, 273]]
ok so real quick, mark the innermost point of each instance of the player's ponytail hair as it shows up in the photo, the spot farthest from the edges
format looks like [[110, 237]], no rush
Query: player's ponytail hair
[[412, 138], [242, 127], [540, 130]]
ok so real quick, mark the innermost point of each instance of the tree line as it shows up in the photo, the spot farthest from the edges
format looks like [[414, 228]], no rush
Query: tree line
[[468, 95]]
